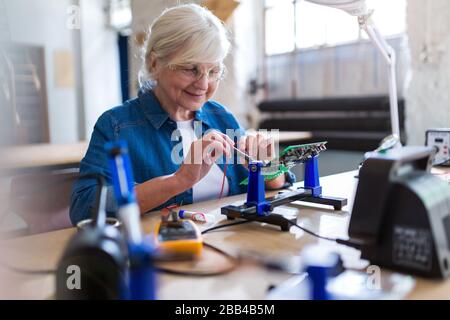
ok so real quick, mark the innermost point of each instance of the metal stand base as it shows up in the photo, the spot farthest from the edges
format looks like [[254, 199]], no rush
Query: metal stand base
[[301, 194], [335, 202], [258, 208], [273, 218]]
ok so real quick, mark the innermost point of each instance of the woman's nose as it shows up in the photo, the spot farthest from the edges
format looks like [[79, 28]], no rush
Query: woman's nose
[[202, 83]]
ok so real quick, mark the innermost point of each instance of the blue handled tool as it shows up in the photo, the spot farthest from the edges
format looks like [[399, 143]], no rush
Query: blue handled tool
[[141, 284]]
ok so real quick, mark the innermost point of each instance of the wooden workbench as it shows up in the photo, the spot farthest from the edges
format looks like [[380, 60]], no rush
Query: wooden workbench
[[247, 282], [45, 156]]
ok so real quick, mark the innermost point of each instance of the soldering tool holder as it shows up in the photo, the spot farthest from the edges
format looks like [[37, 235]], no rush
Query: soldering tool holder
[[141, 274]]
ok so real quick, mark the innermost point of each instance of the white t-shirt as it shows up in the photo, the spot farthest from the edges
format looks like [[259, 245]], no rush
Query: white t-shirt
[[209, 187]]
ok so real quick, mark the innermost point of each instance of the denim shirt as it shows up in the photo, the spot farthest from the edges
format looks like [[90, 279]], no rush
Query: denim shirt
[[148, 131]]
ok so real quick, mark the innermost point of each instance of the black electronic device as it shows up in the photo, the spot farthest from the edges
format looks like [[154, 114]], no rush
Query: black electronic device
[[401, 213], [97, 255]]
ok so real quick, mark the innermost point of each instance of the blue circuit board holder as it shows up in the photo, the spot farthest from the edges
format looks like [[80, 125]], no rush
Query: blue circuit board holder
[[259, 208], [312, 183], [312, 176], [256, 195]]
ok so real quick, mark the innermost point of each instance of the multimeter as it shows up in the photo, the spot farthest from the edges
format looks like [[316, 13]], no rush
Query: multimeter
[[439, 139], [179, 237]]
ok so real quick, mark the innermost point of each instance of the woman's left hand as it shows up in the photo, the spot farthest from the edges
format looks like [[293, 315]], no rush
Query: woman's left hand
[[261, 147], [258, 146]]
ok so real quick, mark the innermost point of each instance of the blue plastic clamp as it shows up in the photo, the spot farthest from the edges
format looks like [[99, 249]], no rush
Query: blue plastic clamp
[[312, 176], [256, 195]]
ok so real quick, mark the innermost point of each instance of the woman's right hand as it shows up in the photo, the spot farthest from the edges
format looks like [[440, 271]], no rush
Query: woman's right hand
[[201, 156]]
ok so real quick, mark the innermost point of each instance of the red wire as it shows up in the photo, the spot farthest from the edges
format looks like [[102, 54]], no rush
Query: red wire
[[223, 179], [166, 211], [172, 206]]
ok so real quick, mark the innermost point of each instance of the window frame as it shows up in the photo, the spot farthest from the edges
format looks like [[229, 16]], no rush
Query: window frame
[[297, 49]]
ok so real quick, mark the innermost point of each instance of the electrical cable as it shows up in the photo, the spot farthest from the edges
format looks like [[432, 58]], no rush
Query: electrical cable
[[160, 269], [27, 271], [443, 162], [220, 251], [312, 233], [223, 179], [348, 243], [44, 272], [234, 260], [235, 263], [225, 225], [165, 270]]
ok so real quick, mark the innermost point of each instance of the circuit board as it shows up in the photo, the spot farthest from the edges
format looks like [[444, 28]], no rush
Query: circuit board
[[290, 157], [293, 155]]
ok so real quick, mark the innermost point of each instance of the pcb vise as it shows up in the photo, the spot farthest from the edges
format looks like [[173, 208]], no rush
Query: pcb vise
[[259, 208]]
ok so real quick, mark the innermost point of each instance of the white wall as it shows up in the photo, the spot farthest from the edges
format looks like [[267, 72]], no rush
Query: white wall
[[43, 23], [144, 12], [244, 62], [427, 96], [100, 61]]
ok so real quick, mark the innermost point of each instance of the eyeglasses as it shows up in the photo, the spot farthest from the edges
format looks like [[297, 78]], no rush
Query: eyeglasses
[[194, 72]]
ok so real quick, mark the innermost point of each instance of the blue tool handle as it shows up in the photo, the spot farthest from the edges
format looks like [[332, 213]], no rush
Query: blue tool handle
[[318, 282], [122, 174], [142, 277]]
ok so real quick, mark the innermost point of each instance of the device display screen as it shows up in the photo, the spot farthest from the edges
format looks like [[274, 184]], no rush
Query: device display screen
[[439, 140]]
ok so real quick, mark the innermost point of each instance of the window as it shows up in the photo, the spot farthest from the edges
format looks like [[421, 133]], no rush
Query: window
[[298, 24], [120, 15], [280, 28]]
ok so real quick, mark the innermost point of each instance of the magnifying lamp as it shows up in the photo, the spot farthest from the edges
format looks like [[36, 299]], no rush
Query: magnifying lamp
[[358, 8]]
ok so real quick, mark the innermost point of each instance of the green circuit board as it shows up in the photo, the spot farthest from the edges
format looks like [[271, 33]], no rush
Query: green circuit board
[[290, 157]]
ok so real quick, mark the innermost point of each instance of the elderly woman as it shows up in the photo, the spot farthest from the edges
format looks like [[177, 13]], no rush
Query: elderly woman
[[182, 67]]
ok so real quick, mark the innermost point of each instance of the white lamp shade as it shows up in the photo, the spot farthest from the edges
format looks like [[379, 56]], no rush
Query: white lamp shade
[[353, 7]]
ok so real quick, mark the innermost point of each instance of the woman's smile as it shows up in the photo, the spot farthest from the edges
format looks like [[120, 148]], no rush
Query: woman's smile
[[196, 96]]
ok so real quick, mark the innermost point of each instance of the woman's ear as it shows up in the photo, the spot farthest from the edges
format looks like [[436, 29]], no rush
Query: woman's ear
[[153, 65]]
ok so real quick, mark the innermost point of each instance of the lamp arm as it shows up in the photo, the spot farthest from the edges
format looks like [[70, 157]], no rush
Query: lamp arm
[[389, 56], [379, 42], [358, 8]]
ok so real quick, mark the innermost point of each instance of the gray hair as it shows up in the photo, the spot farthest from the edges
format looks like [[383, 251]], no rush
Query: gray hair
[[184, 34]]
